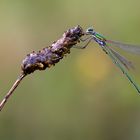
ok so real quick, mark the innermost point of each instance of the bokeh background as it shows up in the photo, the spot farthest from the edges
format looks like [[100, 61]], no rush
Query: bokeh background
[[84, 97]]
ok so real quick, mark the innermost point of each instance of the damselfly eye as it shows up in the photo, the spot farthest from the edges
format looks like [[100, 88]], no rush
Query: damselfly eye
[[90, 30]]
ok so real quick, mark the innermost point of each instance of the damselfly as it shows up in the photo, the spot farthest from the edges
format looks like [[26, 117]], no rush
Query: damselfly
[[119, 60]]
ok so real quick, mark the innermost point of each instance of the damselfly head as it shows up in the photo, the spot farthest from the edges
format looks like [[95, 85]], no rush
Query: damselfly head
[[90, 30]]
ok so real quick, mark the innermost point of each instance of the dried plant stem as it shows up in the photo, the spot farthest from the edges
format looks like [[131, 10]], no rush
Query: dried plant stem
[[17, 82], [47, 57]]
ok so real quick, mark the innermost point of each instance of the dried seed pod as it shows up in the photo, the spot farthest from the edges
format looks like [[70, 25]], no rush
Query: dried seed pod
[[46, 57], [51, 55]]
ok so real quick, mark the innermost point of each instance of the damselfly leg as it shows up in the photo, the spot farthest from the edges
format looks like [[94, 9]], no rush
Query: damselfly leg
[[87, 40]]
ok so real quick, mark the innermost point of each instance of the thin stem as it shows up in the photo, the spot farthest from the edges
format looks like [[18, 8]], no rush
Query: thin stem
[[17, 82]]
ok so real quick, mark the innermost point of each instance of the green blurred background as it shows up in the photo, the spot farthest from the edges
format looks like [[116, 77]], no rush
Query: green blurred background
[[84, 97]]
